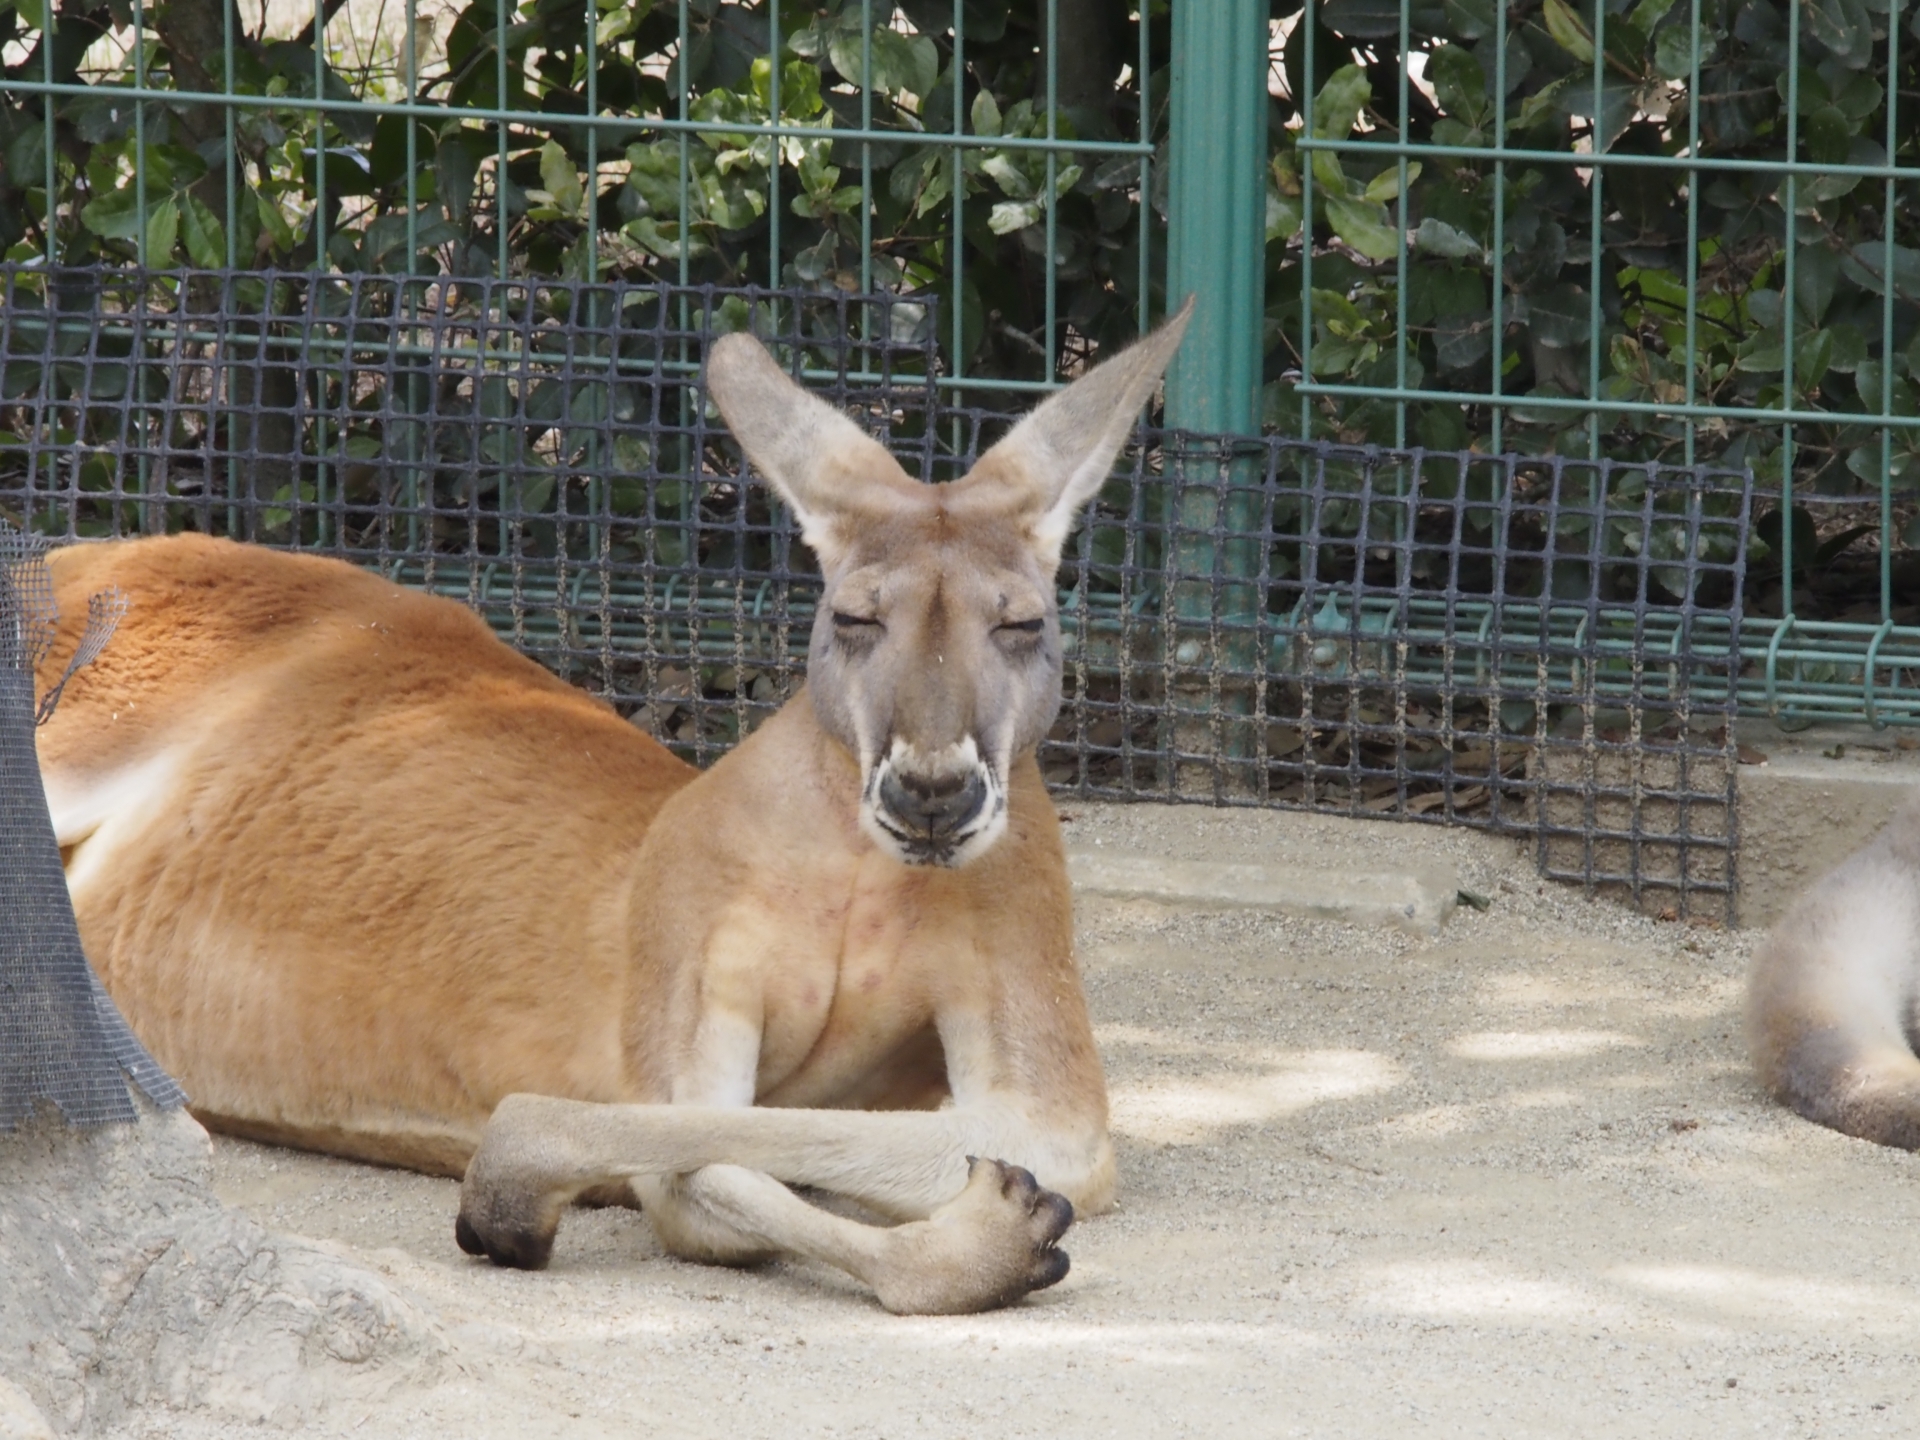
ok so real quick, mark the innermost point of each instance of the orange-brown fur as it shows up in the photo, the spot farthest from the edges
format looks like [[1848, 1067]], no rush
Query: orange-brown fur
[[357, 761]]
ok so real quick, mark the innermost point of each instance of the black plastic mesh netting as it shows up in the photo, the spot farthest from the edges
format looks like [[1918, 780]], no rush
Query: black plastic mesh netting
[[1544, 648], [61, 1039]]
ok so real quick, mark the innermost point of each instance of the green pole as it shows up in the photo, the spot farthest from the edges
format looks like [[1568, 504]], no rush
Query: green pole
[[1216, 223], [1216, 238]]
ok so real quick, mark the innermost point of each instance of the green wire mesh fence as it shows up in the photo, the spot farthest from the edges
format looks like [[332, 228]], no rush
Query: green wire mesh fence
[[1675, 230], [1671, 230]]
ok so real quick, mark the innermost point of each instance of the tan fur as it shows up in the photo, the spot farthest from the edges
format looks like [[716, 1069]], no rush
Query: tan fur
[[1833, 999], [367, 881]]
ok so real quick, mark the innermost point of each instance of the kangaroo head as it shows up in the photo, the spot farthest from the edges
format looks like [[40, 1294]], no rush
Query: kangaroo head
[[935, 657]]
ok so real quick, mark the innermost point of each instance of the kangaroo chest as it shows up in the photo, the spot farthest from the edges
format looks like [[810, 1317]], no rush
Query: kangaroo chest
[[842, 972]]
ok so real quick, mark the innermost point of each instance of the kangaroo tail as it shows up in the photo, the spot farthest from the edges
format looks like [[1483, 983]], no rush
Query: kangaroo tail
[[1830, 996]]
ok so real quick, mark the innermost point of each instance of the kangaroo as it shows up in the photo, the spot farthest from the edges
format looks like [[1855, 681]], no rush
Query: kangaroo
[[1833, 999], [369, 882]]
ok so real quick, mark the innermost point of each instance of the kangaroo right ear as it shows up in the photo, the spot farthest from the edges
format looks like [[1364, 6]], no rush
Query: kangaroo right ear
[[1056, 459], [824, 466]]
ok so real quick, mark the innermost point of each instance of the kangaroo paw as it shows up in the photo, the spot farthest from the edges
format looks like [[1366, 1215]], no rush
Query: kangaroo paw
[[994, 1242]]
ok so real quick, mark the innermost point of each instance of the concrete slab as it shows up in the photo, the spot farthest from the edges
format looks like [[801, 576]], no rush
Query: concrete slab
[[1819, 795], [1321, 867], [1420, 901]]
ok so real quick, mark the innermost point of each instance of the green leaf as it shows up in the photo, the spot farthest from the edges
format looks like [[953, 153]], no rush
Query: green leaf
[[1460, 342], [1810, 359], [1386, 185], [1363, 226], [1470, 19], [1828, 135], [655, 177], [1843, 26], [457, 170], [1327, 172], [1860, 97], [899, 62], [614, 26], [1011, 215], [561, 180], [1762, 353], [114, 216], [1543, 104], [1865, 264], [32, 14], [1340, 101], [1560, 315], [1458, 81], [1649, 13], [1567, 31], [1673, 52], [1283, 216], [1816, 273], [274, 223], [205, 236], [1849, 348], [1005, 172], [800, 90], [163, 225], [1362, 19], [1436, 237], [986, 114]]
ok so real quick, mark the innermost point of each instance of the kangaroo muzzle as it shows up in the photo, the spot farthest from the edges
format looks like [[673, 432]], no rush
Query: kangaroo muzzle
[[941, 810]]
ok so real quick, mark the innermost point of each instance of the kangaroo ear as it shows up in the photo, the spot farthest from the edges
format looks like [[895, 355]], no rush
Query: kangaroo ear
[[827, 469], [1059, 456]]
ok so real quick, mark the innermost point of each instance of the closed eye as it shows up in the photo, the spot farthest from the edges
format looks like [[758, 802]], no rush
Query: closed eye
[[844, 621], [1024, 627]]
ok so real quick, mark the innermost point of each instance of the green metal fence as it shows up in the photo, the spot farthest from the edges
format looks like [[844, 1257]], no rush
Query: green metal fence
[[1675, 229], [1670, 230], [931, 146]]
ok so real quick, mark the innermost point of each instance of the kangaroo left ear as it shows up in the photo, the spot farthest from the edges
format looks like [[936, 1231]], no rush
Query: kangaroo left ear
[[830, 471], [1058, 457]]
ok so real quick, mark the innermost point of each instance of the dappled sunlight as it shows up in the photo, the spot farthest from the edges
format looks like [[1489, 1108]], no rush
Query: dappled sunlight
[[1540, 1099], [1538, 1044], [1187, 1109], [1172, 1343], [1435, 1122], [1704, 997], [1789, 1301], [1471, 1289]]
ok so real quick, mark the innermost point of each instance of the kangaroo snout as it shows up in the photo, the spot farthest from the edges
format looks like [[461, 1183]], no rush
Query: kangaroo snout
[[944, 809], [937, 806]]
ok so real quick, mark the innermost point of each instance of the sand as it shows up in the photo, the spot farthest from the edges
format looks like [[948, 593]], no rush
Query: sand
[[1512, 1179]]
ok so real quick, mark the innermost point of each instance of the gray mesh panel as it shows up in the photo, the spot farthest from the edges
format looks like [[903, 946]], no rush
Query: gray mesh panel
[[61, 1039]]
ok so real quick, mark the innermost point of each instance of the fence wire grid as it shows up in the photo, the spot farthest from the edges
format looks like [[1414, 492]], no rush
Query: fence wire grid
[[1540, 647]]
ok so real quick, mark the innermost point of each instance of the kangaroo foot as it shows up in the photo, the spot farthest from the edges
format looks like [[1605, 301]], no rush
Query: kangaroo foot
[[991, 1244], [509, 1209]]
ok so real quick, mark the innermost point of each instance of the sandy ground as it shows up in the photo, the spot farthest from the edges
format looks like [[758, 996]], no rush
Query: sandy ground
[[1512, 1180]]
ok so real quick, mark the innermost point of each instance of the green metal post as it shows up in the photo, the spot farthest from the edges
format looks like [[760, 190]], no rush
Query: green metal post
[[1216, 253], [1216, 224]]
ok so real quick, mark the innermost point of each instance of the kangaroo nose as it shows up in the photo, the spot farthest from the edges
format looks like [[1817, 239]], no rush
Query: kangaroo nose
[[936, 806]]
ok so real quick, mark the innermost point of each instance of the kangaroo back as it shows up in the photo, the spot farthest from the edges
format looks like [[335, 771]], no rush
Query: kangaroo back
[[1831, 997]]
